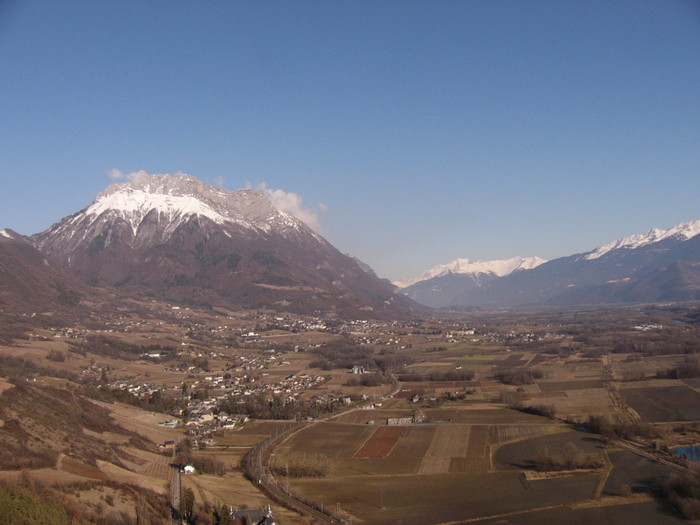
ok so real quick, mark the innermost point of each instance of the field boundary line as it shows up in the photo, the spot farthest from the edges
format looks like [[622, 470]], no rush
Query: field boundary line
[[505, 514], [598, 493], [605, 502]]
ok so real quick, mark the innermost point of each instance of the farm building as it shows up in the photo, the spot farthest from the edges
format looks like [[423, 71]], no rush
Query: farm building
[[399, 421]]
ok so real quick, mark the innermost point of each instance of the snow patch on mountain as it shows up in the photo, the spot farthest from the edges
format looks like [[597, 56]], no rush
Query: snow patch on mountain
[[684, 231], [134, 205], [497, 268], [181, 197], [5, 233]]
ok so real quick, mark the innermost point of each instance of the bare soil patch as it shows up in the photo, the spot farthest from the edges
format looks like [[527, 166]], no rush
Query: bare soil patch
[[522, 454], [5, 385], [142, 422], [636, 473], [674, 403], [333, 440], [449, 442], [78, 468], [692, 383], [121, 475], [237, 439], [557, 386], [381, 443], [443, 498], [512, 360], [621, 510]]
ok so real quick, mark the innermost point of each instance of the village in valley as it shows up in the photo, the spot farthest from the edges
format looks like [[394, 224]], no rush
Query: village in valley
[[287, 412]]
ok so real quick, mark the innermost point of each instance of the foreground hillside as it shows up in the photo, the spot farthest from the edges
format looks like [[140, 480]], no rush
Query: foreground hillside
[[54, 436], [30, 282]]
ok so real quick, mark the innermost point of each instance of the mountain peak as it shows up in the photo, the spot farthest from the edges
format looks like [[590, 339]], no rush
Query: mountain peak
[[171, 200], [496, 268], [181, 239], [683, 231]]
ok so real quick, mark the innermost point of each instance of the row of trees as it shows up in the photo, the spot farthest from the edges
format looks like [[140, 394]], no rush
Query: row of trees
[[261, 406], [690, 368], [518, 377], [683, 492], [571, 458], [344, 353], [438, 376], [622, 430], [303, 465]]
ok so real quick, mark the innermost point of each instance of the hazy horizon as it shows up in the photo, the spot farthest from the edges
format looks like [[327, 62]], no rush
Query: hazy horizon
[[413, 133]]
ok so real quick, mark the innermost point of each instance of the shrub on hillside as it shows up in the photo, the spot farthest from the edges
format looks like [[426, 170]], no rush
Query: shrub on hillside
[[30, 503]]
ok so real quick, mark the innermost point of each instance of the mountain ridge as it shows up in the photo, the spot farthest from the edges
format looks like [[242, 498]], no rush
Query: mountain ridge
[[31, 282], [181, 239], [498, 267], [659, 265]]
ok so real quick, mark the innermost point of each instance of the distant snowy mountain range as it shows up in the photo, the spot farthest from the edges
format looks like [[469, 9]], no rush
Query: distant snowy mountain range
[[497, 268], [179, 239], [682, 232], [658, 265]]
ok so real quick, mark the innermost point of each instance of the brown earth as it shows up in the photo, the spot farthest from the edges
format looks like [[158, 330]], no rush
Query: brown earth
[[381, 443]]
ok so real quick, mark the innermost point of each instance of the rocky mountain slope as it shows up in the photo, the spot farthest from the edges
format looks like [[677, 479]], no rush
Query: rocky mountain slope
[[179, 239], [30, 282]]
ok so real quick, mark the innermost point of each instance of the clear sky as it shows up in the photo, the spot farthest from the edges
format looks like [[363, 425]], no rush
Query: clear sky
[[416, 132]]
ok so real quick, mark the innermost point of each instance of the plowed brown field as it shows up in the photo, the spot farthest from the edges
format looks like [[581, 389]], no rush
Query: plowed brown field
[[381, 442]]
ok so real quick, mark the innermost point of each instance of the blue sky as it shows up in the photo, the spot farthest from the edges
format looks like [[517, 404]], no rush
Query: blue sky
[[417, 132]]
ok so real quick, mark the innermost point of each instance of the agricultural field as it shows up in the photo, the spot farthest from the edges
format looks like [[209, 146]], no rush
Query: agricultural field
[[452, 428], [444, 498], [631, 473], [381, 474], [664, 403], [381, 442], [444, 473]]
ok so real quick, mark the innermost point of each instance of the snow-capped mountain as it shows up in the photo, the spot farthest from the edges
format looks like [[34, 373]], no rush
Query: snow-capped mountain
[[153, 207], [496, 268], [661, 265], [681, 232], [181, 239], [444, 285]]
